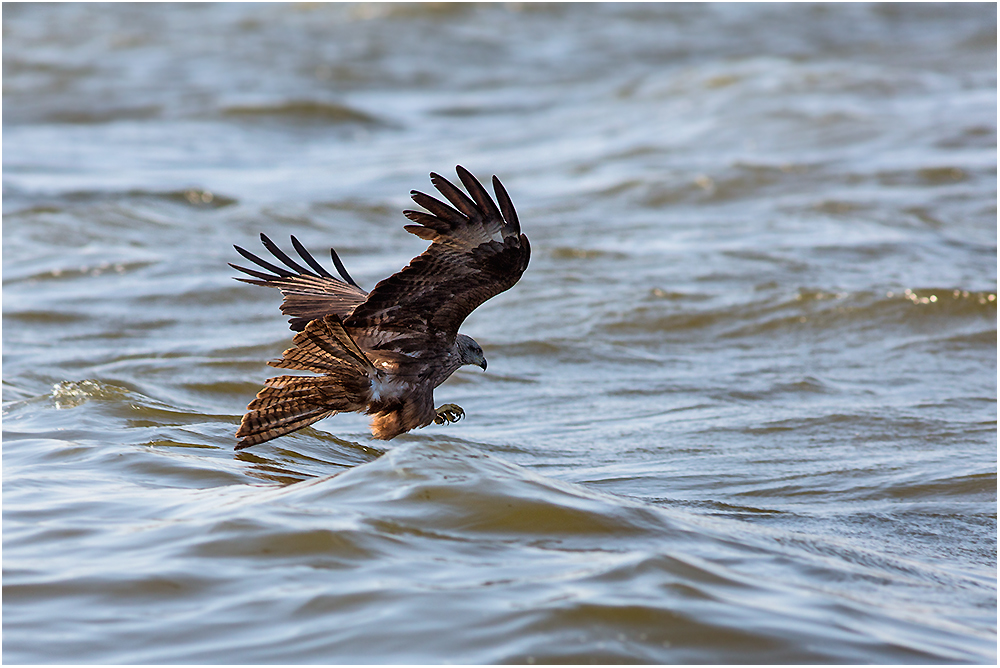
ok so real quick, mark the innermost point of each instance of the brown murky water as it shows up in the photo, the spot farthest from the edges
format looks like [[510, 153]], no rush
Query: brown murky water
[[741, 407]]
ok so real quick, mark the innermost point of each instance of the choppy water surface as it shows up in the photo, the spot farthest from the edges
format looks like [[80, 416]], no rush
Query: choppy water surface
[[741, 407]]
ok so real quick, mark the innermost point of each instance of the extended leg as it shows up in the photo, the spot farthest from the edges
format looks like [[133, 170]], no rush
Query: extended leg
[[449, 413]]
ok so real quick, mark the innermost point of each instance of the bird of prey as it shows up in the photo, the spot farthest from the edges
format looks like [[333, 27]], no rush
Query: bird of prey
[[383, 352]]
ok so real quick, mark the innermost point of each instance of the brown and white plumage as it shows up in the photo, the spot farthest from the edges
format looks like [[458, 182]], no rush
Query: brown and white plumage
[[384, 352]]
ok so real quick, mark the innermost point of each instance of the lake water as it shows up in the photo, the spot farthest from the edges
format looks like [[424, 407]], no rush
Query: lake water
[[740, 408]]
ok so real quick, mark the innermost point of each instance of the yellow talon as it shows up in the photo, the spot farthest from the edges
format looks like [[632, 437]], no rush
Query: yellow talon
[[449, 413]]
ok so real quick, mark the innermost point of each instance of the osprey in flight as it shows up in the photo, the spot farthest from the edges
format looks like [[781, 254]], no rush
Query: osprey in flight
[[383, 352]]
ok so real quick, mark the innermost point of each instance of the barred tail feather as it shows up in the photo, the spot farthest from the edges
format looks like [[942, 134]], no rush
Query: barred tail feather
[[287, 403], [257, 428]]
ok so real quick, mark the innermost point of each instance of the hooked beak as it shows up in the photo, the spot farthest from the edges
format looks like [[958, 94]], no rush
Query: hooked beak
[[483, 364]]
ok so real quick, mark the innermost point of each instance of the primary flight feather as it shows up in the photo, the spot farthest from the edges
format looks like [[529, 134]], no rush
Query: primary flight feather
[[383, 352]]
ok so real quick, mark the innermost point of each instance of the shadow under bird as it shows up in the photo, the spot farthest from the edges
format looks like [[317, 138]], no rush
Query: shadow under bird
[[383, 352]]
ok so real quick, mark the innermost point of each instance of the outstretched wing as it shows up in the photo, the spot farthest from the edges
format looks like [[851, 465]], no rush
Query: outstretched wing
[[477, 251], [310, 293]]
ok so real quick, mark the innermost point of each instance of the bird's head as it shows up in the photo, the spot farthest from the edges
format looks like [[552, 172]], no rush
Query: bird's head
[[470, 352]]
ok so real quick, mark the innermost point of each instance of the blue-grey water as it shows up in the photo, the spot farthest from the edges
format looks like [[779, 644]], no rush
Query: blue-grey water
[[740, 408]]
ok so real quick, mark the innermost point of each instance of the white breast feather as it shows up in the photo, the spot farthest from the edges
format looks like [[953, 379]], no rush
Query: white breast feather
[[386, 388]]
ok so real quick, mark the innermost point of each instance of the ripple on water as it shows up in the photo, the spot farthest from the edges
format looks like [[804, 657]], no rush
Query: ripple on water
[[809, 310], [431, 527]]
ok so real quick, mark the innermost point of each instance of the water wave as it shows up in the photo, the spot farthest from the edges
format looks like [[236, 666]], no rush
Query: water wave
[[617, 579]]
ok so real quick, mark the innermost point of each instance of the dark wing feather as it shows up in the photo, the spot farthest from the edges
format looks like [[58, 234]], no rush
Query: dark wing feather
[[309, 293], [476, 252]]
